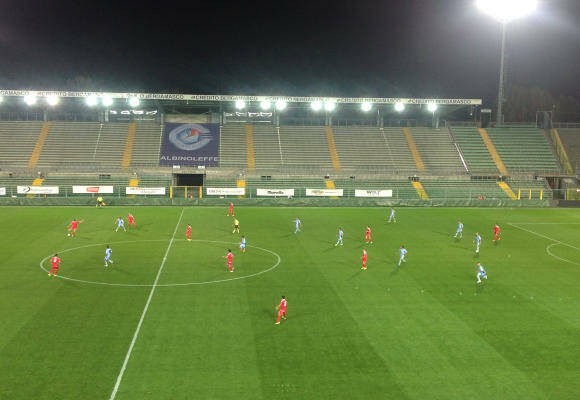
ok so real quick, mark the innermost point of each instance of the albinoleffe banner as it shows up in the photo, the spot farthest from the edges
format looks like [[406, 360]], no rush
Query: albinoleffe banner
[[190, 145]]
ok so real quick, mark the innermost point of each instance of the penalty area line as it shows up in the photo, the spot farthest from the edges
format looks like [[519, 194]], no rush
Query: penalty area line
[[136, 334], [543, 236]]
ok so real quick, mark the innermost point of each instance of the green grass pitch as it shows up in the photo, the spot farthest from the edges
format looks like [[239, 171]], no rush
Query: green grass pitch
[[422, 331]]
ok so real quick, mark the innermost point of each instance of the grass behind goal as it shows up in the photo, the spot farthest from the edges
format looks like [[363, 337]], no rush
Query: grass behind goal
[[424, 330]]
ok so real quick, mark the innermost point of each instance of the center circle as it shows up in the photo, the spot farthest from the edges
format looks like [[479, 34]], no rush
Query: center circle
[[203, 282], [558, 257]]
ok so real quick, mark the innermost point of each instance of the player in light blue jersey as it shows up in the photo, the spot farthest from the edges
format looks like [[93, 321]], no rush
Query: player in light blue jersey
[[481, 273], [108, 252], [392, 216], [120, 224], [243, 244], [459, 232], [297, 224], [340, 235], [477, 242], [402, 253]]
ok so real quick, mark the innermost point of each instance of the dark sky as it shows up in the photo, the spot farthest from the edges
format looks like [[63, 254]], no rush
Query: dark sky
[[439, 48]]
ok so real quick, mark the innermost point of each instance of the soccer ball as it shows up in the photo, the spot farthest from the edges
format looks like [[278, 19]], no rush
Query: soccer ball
[[68, 234]]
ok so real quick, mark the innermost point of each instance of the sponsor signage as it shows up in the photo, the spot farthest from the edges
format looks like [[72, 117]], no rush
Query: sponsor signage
[[145, 190], [2, 191], [190, 145], [37, 189], [275, 192], [225, 191], [93, 189], [372, 193], [210, 97], [324, 192]]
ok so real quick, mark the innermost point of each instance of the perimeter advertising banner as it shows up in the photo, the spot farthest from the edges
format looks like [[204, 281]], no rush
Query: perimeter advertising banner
[[190, 145], [145, 190], [225, 191], [2, 191], [93, 189], [275, 192], [324, 192], [37, 189], [373, 193]]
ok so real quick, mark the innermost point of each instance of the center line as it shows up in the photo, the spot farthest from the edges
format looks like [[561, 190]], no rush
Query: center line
[[120, 377]]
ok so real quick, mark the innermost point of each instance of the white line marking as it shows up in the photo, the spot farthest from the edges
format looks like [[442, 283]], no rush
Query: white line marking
[[545, 223], [120, 377], [555, 256], [544, 236], [279, 259]]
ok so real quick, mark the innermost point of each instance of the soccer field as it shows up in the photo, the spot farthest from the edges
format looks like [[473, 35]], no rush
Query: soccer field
[[168, 321]]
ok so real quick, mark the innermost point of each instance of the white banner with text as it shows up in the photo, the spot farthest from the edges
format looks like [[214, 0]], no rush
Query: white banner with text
[[275, 192], [37, 189], [324, 192], [225, 191], [145, 190], [93, 189], [373, 193]]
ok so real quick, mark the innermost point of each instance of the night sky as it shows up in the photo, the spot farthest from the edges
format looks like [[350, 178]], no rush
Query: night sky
[[416, 48]]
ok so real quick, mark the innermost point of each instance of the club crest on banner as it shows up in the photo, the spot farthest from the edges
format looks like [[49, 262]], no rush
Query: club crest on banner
[[190, 137]]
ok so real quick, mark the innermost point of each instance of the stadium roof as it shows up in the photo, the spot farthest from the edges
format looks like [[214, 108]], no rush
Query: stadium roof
[[219, 97]]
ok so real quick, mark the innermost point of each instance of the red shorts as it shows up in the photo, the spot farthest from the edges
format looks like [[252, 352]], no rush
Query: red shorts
[[54, 268], [367, 236], [229, 264]]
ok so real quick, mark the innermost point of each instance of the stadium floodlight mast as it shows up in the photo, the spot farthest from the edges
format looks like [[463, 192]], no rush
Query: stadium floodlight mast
[[52, 100], [240, 104], [399, 107], [281, 105], [92, 100], [505, 11], [329, 105], [366, 106], [134, 102], [107, 101], [316, 105], [265, 104], [30, 99]]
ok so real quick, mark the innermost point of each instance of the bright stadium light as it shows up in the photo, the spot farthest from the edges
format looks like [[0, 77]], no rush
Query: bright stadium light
[[1, 99], [399, 107], [281, 105], [107, 101], [316, 105], [432, 107], [505, 11], [329, 105], [52, 100], [92, 100], [30, 99], [265, 104], [134, 102], [240, 104], [366, 106]]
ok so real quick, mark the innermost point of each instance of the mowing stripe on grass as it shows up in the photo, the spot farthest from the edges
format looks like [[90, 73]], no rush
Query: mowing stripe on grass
[[136, 334], [543, 236]]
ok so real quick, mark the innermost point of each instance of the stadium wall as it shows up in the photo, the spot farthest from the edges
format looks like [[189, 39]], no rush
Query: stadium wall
[[268, 202]]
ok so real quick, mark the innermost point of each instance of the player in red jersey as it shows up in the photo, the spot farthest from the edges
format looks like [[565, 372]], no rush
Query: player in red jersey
[[368, 237], [364, 260], [281, 308], [230, 258], [55, 261], [72, 227], [188, 233], [131, 220], [230, 210], [496, 233]]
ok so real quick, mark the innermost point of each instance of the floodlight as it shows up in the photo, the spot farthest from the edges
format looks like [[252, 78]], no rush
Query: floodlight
[[52, 100], [366, 106], [265, 104], [316, 105], [107, 101], [281, 105], [30, 99], [432, 107], [399, 107], [91, 100], [1, 99], [329, 105], [134, 102], [505, 11], [240, 104]]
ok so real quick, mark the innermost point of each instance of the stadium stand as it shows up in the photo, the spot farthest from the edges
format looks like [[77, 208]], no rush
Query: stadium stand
[[437, 150], [370, 148], [463, 188], [524, 149], [17, 141], [70, 143], [305, 147], [147, 144], [267, 150], [571, 141], [474, 150], [233, 146]]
